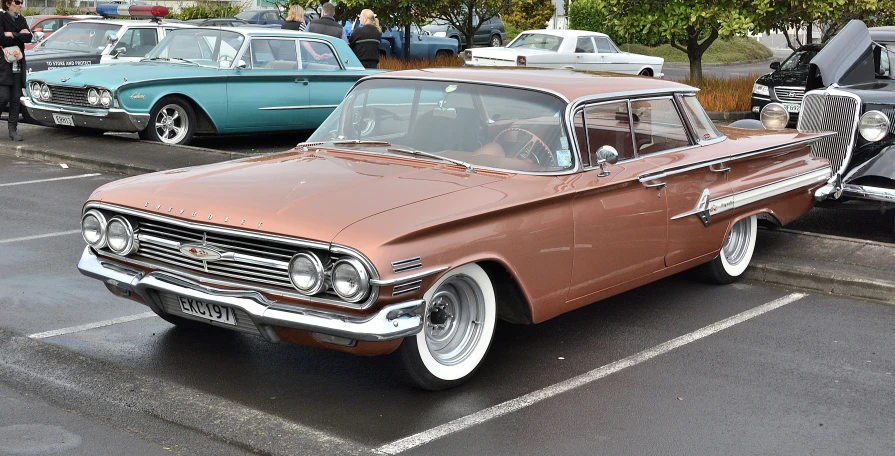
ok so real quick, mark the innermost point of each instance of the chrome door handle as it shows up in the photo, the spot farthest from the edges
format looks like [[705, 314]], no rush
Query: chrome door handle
[[302, 81], [658, 185], [720, 170]]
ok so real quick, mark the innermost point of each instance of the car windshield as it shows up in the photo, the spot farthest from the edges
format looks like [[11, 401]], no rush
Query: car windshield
[[246, 15], [537, 41], [798, 61], [480, 125], [207, 47], [86, 37]]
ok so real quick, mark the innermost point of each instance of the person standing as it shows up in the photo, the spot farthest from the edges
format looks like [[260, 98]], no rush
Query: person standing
[[365, 39], [326, 24], [12, 74], [295, 20]]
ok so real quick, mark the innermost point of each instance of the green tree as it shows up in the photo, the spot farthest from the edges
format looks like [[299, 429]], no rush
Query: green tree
[[688, 25], [530, 14], [461, 14], [830, 16], [392, 13]]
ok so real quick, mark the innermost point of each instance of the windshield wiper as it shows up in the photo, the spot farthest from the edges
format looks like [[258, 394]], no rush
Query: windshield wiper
[[184, 60], [154, 58], [361, 142], [469, 168]]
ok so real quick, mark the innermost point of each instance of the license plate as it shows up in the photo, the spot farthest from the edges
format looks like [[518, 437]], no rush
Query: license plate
[[790, 107], [213, 312], [62, 119]]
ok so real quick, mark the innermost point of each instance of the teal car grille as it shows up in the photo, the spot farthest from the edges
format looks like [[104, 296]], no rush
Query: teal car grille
[[69, 96]]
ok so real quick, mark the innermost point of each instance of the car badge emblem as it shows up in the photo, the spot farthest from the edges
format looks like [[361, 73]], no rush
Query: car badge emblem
[[703, 211], [65, 79], [200, 252], [792, 94], [137, 96]]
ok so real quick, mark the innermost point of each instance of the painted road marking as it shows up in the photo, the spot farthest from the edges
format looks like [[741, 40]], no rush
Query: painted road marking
[[532, 398], [50, 180], [99, 324], [40, 236]]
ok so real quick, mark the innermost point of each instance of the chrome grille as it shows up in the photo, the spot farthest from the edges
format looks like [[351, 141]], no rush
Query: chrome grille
[[69, 96], [171, 304], [789, 94], [248, 260], [825, 112]]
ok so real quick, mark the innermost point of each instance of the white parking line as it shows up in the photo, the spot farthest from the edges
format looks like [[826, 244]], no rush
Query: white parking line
[[49, 180], [532, 398], [99, 324], [40, 236]]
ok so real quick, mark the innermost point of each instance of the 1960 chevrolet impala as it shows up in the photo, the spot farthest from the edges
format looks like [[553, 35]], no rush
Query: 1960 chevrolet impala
[[432, 203]]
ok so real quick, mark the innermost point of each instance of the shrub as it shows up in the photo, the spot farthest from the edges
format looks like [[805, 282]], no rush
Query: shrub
[[29, 12], [207, 9], [737, 49], [529, 14], [512, 31], [725, 94], [66, 8], [389, 63]]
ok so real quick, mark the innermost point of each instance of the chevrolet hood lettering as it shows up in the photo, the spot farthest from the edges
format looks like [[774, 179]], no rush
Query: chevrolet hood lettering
[[200, 252]]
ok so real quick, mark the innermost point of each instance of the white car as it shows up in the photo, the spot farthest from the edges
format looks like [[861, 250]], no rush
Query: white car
[[575, 49]]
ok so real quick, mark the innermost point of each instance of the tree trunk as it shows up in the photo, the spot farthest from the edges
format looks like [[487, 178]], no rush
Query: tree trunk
[[695, 51], [809, 34], [406, 42]]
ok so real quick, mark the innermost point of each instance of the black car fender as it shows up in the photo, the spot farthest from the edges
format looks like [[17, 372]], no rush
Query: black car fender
[[882, 165]]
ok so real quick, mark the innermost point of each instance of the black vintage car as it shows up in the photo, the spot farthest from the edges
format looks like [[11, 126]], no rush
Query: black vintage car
[[851, 91], [786, 84]]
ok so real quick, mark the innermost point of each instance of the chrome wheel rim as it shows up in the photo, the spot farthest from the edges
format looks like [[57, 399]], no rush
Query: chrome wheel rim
[[737, 243], [454, 320], [171, 124], [495, 42]]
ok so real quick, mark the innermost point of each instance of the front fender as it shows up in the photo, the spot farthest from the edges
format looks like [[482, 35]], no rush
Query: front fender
[[882, 165], [207, 95]]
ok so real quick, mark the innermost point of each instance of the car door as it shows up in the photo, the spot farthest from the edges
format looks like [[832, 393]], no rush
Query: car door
[[612, 59], [620, 225], [272, 92], [328, 82], [663, 138], [585, 56]]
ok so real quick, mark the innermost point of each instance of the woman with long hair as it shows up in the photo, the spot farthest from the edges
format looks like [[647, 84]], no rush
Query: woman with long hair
[[15, 33], [295, 20], [365, 40]]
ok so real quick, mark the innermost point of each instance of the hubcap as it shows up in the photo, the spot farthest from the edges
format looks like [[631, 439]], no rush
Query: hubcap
[[454, 320], [171, 124], [737, 242]]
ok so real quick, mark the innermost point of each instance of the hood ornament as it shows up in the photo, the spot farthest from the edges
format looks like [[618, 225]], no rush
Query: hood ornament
[[200, 252], [65, 79]]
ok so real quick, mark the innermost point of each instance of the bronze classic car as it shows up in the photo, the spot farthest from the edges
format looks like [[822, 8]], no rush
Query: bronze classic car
[[432, 203]]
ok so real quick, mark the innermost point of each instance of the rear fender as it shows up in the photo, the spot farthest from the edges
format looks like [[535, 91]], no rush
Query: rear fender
[[882, 165]]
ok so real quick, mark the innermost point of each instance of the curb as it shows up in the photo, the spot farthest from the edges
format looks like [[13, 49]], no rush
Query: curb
[[813, 279]]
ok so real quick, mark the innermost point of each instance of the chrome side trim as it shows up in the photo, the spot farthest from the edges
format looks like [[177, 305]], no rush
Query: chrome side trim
[[407, 261], [715, 161], [746, 197], [407, 288], [283, 108], [886, 195], [418, 275], [392, 322]]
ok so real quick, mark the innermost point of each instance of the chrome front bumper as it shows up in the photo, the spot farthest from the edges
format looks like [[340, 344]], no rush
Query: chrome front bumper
[[835, 189], [392, 322], [108, 120]]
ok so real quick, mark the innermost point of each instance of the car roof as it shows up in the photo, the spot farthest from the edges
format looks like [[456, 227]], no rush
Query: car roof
[[571, 84], [132, 22], [565, 33]]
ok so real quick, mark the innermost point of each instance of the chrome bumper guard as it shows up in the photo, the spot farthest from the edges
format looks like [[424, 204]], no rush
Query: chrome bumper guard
[[392, 322], [109, 120], [886, 195]]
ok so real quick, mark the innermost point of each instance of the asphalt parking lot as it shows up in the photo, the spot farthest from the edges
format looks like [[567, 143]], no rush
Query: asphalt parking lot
[[675, 367]]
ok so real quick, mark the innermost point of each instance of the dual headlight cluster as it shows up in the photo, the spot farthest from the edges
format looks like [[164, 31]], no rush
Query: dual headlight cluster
[[100, 98], [348, 276], [117, 233]]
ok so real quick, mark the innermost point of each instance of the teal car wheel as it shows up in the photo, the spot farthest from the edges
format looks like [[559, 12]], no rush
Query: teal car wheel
[[172, 121]]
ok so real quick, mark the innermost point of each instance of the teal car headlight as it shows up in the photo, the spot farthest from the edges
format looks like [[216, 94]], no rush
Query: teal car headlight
[[34, 87], [105, 98], [93, 97], [45, 93]]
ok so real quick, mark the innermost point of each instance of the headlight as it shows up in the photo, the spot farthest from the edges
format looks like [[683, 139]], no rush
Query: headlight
[[45, 93], [35, 90], [350, 280], [120, 236], [93, 97], [93, 229], [873, 126], [759, 89], [106, 98], [306, 273], [440, 34], [774, 116]]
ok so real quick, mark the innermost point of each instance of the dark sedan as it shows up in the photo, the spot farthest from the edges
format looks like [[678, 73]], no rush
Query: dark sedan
[[786, 84]]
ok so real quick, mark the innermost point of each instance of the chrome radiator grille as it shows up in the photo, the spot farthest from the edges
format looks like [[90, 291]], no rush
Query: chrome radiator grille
[[246, 260], [825, 112], [789, 94], [69, 96]]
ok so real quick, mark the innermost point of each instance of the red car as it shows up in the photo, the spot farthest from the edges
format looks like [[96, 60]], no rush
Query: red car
[[48, 24]]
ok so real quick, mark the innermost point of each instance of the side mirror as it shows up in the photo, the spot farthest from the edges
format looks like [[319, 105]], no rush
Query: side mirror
[[419, 37], [120, 51], [775, 65], [111, 39], [39, 36], [241, 64], [606, 154], [427, 32]]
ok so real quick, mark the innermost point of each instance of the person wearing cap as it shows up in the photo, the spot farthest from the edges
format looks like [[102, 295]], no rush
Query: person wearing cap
[[326, 24], [15, 33], [365, 39]]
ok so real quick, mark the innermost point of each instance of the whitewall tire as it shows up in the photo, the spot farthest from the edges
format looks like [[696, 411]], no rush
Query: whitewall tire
[[461, 312], [736, 253]]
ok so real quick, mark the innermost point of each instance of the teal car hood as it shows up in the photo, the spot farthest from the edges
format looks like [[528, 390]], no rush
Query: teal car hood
[[112, 76]]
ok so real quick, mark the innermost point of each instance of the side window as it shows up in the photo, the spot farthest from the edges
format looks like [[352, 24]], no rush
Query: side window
[[274, 54], [606, 124], [316, 55], [584, 45], [270, 16], [657, 126], [604, 46], [703, 126], [138, 41]]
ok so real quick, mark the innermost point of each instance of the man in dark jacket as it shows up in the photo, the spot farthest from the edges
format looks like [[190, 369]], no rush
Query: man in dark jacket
[[326, 24], [365, 40]]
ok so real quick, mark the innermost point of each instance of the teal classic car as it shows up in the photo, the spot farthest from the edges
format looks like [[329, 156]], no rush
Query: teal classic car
[[203, 81]]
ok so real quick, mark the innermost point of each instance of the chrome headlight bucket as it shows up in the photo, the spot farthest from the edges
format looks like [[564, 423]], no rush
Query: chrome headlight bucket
[[105, 98], [350, 280], [774, 116], [45, 93], [761, 89], [34, 87], [306, 273], [120, 236], [93, 97], [93, 228], [874, 125]]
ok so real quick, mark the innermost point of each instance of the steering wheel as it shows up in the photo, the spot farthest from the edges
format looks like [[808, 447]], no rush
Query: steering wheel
[[527, 150]]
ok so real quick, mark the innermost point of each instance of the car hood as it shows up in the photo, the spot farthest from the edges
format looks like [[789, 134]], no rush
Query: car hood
[[40, 59], [846, 60], [112, 76], [311, 195], [795, 78]]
